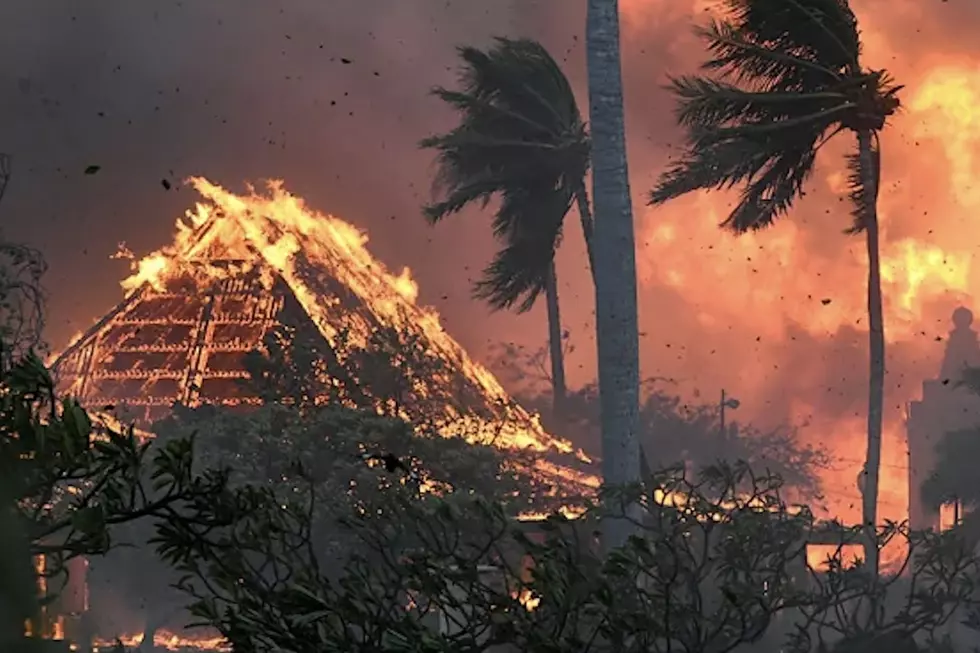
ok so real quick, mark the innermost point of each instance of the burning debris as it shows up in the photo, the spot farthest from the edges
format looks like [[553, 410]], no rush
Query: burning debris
[[164, 640]]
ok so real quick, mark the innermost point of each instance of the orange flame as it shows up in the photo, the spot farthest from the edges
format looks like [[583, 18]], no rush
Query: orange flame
[[166, 640], [748, 299], [276, 229]]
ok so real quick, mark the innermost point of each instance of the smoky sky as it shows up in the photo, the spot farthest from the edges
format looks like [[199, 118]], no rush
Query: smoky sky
[[329, 96], [332, 97]]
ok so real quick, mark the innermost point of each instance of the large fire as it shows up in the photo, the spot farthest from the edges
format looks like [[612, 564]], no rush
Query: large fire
[[278, 229], [237, 263], [779, 317]]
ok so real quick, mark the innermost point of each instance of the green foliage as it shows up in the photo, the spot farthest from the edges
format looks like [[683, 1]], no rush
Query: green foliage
[[329, 443], [954, 475], [672, 430], [66, 483], [787, 78], [933, 585], [326, 407], [718, 559], [21, 299], [395, 373], [521, 138], [291, 367]]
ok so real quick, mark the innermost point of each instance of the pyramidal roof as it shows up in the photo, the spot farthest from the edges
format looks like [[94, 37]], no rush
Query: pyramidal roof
[[241, 266]]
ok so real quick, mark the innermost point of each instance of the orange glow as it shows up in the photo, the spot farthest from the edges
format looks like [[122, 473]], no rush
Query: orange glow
[[780, 316], [819, 555], [950, 515], [167, 641], [275, 234]]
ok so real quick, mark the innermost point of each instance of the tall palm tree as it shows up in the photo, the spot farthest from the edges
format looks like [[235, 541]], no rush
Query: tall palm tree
[[787, 76], [617, 333], [521, 138]]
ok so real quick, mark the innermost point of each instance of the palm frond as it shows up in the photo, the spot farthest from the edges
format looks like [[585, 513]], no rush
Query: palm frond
[[822, 31], [518, 273], [773, 158], [520, 73], [519, 126], [520, 138], [788, 79], [864, 198], [704, 102], [736, 56]]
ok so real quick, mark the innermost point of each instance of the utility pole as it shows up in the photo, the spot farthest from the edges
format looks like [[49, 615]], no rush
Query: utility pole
[[726, 402]]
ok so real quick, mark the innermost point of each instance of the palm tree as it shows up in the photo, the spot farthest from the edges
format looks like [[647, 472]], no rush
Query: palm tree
[[521, 138], [787, 78], [617, 333]]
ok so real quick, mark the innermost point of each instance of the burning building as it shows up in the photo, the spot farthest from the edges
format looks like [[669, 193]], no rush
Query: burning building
[[244, 267], [944, 407]]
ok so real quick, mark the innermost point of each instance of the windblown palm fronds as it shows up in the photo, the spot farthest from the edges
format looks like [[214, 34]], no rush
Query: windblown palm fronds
[[786, 78], [522, 140]]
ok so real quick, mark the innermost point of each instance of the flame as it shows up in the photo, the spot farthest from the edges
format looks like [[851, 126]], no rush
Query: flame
[[53, 356], [779, 316], [275, 232], [166, 640], [528, 599]]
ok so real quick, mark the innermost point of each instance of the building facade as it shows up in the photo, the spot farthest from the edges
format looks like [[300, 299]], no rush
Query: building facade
[[944, 407]]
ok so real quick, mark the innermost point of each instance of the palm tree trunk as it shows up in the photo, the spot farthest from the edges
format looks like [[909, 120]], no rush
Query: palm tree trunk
[[588, 227], [615, 261], [588, 230], [559, 391], [869, 166]]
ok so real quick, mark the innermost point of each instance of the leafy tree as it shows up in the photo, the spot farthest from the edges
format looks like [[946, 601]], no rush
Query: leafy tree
[[909, 607], [617, 333], [522, 138], [336, 434], [719, 559], [788, 77], [67, 482], [393, 372], [291, 367], [675, 430], [333, 446]]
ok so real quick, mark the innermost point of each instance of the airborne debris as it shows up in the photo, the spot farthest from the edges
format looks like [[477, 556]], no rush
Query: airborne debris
[[345, 60], [824, 301], [91, 170], [165, 184], [391, 462]]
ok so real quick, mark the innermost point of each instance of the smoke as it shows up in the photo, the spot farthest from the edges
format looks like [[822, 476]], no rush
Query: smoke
[[332, 97]]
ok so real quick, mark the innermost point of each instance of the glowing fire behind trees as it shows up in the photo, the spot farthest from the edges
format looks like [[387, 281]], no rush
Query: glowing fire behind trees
[[164, 640], [779, 318]]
